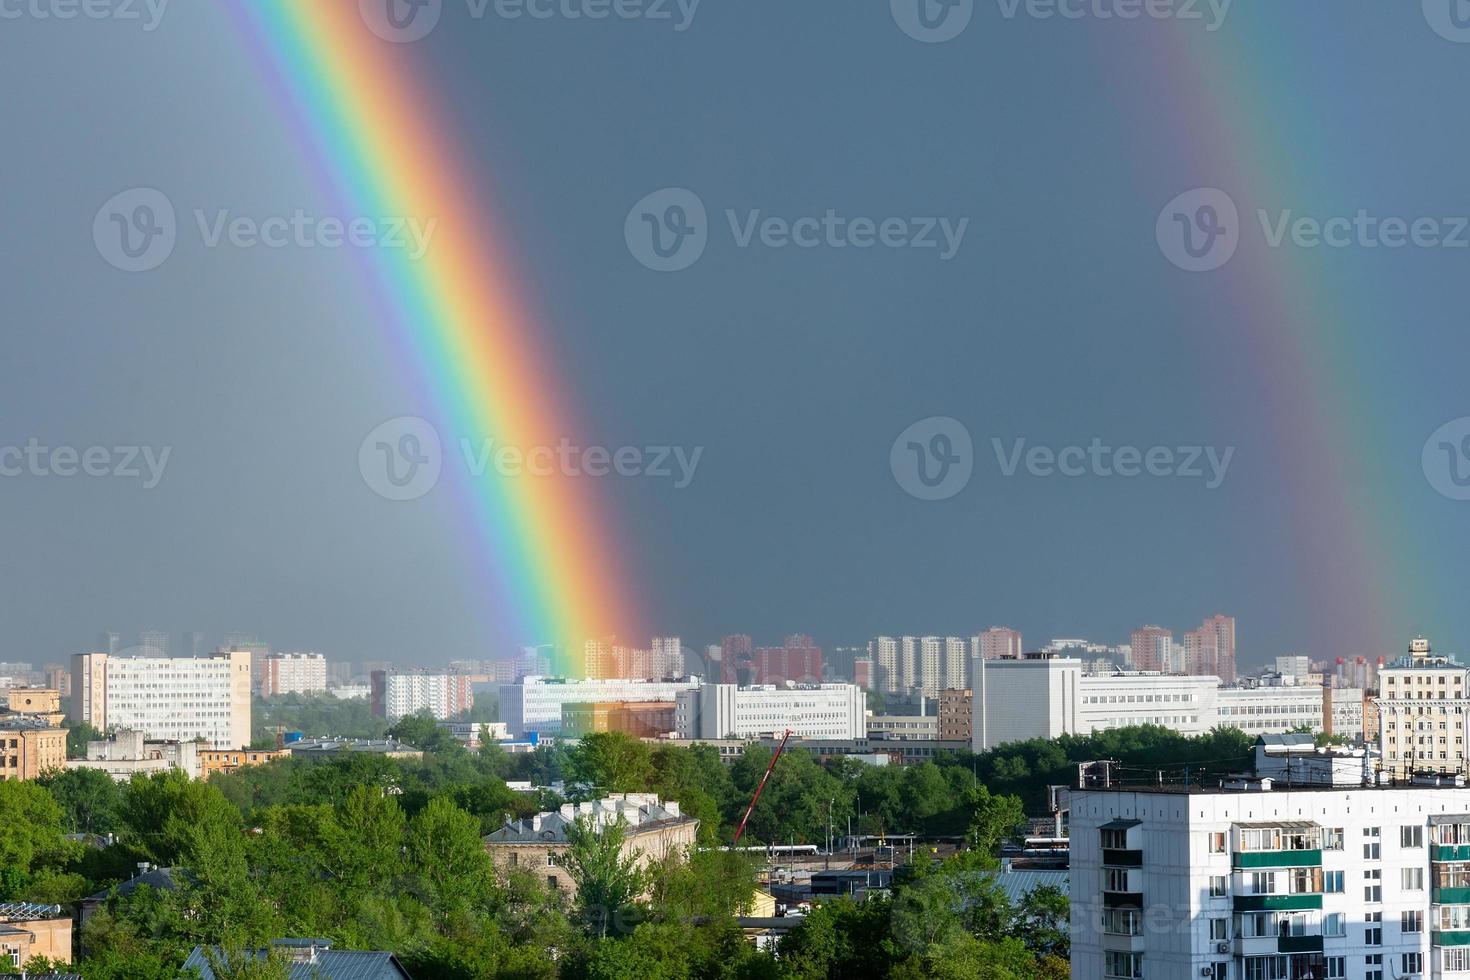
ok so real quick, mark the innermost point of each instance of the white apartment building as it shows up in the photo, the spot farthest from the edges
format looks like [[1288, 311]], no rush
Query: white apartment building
[[1015, 700], [293, 673], [166, 698], [923, 664], [1422, 712], [1263, 882], [812, 711], [534, 704], [397, 694]]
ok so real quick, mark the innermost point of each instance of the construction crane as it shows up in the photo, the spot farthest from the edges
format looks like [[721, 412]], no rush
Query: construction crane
[[760, 786]]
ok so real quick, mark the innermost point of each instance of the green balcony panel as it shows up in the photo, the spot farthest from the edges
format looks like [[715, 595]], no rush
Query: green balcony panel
[[1460, 938], [1452, 852], [1452, 896], [1276, 903], [1278, 859], [1299, 944]]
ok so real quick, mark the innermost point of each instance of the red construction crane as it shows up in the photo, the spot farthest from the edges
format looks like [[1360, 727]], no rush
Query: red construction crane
[[760, 786]]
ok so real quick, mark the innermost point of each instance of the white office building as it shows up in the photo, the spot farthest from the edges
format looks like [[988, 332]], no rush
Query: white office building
[[1044, 697], [1261, 880], [1423, 712], [534, 704], [178, 699], [811, 711]]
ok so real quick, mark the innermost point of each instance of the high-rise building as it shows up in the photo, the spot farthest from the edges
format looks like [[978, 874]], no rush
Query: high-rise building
[[667, 657], [943, 664], [1288, 878], [797, 660], [998, 642], [862, 673], [293, 673], [1153, 649], [737, 655], [883, 652], [398, 693], [166, 698], [153, 643], [109, 643]]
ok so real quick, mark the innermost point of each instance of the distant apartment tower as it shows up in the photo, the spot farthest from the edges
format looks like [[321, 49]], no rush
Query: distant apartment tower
[[109, 643], [862, 673], [667, 657], [1153, 649], [997, 643], [194, 643], [883, 652], [798, 660], [153, 643], [396, 694], [293, 673], [943, 663], [736, 655], [166, 698], [956, 715], [1211, 649]]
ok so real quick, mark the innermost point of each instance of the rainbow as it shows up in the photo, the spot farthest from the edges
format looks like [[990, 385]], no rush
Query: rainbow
[[1299, 323], [364, 114]]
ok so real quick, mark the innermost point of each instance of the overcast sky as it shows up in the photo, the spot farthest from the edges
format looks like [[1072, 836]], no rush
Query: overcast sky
[[1035, 154]]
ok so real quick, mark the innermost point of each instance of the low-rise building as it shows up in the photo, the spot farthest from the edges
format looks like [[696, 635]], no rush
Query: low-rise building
[[641, 719], [956, 715], [534, 704], [819, 711], [653, 830], [42, 703], [126, 753], [220, 760], [29, 931], [323, 748], [312, 959], [903, 726], [30, 746]]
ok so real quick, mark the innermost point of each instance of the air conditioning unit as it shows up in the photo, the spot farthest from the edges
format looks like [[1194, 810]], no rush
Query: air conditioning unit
[[1207, 971], [1222, 947]]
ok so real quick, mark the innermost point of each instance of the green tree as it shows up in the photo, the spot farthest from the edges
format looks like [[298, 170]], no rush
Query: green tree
[[445, 851], [31, 835], [609, 881], [77, 737], [611, 762], [89, 798]]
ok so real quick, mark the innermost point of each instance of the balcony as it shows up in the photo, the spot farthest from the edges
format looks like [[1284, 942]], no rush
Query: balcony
[[1278, 859], [1113, 857], [1452, 896], [1275, 903], [1134, 900], [1452, 852], [1299, 944], [1451, 938]]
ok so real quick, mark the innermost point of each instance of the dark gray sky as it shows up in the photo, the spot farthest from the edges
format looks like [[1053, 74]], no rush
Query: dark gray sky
[[1058, 319]]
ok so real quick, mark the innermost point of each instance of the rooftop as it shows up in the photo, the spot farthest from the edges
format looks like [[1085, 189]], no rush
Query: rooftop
[[28, 912], [639, 811], [313, 959]]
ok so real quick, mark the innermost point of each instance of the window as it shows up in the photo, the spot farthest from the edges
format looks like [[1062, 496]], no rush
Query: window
[[551, 881], [1263, 882], [1373, 931], [1411, 921], [1218, 886], [1334, 924], [1128, 966], [1411, 836], [1219, 930], [1413, 878], [1115, 839], [1115, 880], [1373, 886], [1332, 882], [1217, 842], [1413, 963], [1374, 964], [1455, 958], [1336, 967], [551, 860], [1331, 838], [1372, 851], [1122, 922], [1305, 881]]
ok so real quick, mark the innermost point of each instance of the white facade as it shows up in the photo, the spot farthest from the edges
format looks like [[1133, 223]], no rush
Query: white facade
[[1017, 700], [293, 673], [1423, 712], [127, 753], [925, 664], [1363, 884], [166, 698], [814, 711], [398, 694], [534, 705]]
